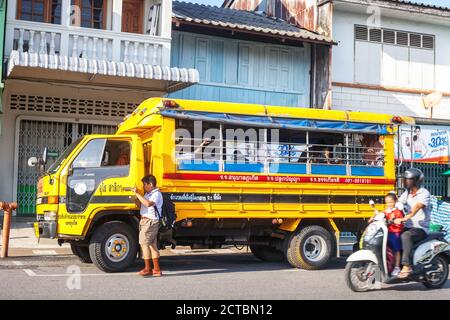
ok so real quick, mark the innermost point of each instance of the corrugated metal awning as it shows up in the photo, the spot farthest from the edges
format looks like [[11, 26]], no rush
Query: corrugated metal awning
[[162, 78]]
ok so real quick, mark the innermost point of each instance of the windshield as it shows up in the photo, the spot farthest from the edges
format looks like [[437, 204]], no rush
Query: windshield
[[55, 166]]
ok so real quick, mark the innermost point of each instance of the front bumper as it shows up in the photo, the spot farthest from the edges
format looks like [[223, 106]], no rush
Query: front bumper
[[45, 229]]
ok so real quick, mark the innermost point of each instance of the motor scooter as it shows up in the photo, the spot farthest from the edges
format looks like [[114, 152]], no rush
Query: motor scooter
[[367, 268]]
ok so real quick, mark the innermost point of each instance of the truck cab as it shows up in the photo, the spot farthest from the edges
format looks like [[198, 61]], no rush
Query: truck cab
[[88, 182]]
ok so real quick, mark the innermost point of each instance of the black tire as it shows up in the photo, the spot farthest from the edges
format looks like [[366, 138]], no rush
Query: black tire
[[311, 248], [287, 249], [101, 246], [82, 252], [267, 253], [362, 285], [443, 263]]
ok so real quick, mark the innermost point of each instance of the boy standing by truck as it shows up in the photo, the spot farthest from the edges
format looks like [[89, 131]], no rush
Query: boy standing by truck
[[151, 207]]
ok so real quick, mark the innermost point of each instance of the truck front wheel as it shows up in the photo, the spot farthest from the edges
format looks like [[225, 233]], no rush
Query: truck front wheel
[[82, 252], [311, 248], [267, 253], [113, 246]]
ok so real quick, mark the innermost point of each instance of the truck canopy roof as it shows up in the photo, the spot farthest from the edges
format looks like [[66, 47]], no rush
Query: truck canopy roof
[[149, 114]]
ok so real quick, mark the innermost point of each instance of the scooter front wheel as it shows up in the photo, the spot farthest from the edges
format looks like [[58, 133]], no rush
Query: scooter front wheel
[[360, 275]]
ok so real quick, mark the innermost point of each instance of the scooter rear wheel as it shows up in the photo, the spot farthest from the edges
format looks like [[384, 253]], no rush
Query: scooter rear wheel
[[438, 281], [356, 278]]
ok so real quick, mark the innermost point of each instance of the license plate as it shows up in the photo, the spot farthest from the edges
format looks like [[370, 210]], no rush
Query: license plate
[[36, 230]]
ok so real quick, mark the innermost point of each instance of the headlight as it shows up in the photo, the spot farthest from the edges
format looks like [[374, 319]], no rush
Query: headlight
[[50, 215]]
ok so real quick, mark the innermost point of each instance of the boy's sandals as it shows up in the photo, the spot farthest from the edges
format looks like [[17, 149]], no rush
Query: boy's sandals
[[157, 274], [145, 273]]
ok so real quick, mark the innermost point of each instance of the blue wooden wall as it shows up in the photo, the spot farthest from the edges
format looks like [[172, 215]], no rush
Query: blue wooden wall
[[243, 71]]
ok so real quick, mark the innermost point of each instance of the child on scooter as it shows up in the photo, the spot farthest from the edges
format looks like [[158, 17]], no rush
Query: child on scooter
[[394, 241]]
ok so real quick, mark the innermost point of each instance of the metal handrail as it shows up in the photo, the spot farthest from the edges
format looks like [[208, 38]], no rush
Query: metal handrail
[[350, 156]]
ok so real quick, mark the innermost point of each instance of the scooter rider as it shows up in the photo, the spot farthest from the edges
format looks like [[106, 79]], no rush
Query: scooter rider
[[417, 203]]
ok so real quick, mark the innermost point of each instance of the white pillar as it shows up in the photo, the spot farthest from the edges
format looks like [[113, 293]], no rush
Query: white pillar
[[116, 27], [117, 16], [9, 32], [65, 13], [166, 18], [12, 9], [166, 30], [66, 18]]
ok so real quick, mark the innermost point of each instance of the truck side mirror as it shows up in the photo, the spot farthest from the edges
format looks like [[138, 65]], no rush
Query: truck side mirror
[[33, 161]]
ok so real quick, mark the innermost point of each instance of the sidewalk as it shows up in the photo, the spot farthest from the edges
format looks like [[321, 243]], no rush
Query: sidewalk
[[22, 235]]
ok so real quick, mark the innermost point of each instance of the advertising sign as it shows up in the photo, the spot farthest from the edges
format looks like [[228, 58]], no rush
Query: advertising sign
[[427, 144]]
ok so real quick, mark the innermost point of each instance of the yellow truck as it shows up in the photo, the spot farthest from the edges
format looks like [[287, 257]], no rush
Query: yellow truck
[[284, 181]]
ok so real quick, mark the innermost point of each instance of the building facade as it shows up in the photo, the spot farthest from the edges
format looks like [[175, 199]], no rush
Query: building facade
[[75, 68], [249, 57], [390, 55]]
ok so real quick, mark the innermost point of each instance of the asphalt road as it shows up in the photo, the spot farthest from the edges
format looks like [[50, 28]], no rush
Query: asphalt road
[[189, 275]]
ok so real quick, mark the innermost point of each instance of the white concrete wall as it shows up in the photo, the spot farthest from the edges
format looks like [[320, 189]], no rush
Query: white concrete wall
[[380, 101], [384, 101]]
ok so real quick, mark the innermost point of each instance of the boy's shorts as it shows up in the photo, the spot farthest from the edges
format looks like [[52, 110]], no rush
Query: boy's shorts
[[394, 241]]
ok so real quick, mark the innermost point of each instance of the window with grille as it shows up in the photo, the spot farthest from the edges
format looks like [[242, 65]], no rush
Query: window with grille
[[394, 58], [402, 38], [361, 33], [375, 35], [71, 106], [389, 36], [395, 37], [92, 13], [48, 11]]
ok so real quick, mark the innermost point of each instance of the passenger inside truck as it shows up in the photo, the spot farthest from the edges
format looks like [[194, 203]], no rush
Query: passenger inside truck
[[325, 147], [368, 149], [117, 153]]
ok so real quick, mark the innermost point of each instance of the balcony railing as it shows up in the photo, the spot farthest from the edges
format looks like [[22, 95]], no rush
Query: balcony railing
[[77, 42]]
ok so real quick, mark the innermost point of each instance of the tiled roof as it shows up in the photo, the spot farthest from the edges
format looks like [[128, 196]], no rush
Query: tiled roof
[[420, 4], [242, 20], [404, 4]]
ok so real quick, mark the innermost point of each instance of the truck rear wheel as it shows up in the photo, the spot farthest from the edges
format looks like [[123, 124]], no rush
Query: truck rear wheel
[[267, 253], [82, 252], [113, 246], [311, 248]]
